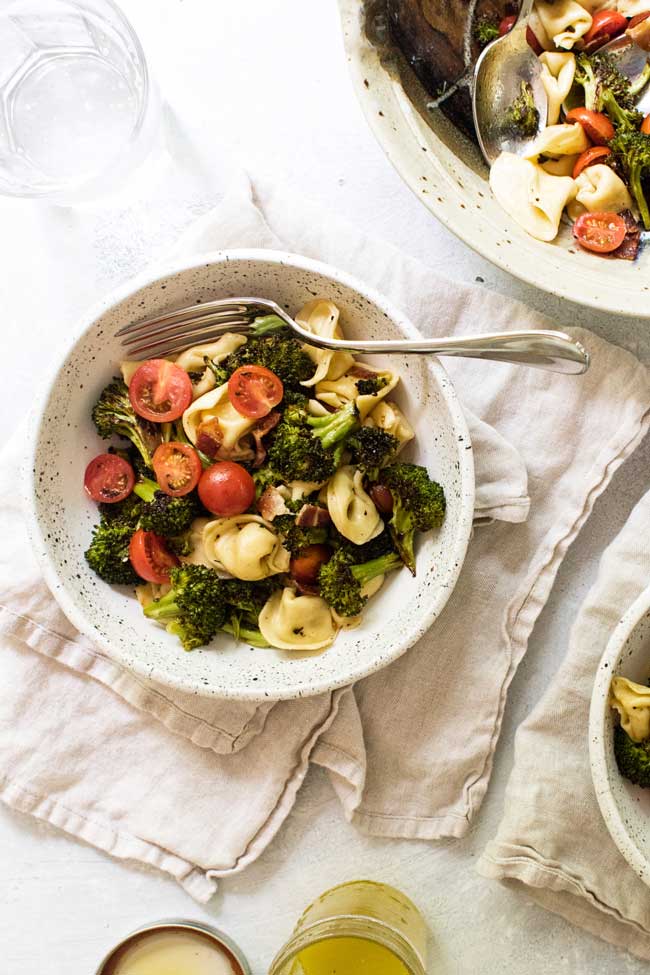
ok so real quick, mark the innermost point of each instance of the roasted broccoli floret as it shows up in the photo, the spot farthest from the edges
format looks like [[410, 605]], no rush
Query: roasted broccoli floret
[[245, 601], [308, 448], [486, 29], [607, 90], [114, 416], [195, 608], [108, 553], [522, 116], [125, 512], [341, 581], [282, 354], [297, 537], [371, 448], [631, 152], [632, 758], [163, 514], [370, 386], [418, 505], [381, 544]]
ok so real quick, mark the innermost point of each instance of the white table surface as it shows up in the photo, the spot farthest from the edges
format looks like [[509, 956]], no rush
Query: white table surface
[[265, 85]]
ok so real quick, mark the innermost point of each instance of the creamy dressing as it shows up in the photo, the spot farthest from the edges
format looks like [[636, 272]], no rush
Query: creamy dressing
[[175, 951]]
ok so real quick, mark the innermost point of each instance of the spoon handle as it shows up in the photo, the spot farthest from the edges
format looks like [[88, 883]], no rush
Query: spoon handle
[[525, 11]]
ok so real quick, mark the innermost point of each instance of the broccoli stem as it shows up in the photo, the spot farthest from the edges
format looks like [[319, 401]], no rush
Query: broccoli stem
[[368, 571], [146, 489], [639, 83], [163, 608], [639, 196], [334, 427], [268, 325], [245, 634]]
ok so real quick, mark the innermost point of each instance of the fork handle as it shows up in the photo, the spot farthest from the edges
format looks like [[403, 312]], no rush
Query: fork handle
[[555, 351]]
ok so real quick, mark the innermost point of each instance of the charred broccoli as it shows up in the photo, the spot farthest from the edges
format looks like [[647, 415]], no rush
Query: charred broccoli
[[632, 758], [418, 505], [114, 416], [370, 386], [282, 354], [631, 152], [162, 513], [485, 30], [607, 90], [195, 608], [125, 512], [245, 601], [341, 580], [108, 553], [372, 448], [333, 429], [297, 537], [522, 116], [308, 448]]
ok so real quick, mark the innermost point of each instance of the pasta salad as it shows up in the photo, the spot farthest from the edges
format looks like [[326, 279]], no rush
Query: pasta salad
[[589, 158], [258, 490]]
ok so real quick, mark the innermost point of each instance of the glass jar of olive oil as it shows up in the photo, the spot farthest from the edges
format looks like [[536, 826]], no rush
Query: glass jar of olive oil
[[358, 928]]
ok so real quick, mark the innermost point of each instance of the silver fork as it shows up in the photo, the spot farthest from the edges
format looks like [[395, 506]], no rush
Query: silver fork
[[197, 324]]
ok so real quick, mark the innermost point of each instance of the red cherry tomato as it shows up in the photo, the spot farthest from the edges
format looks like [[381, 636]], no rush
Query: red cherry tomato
[[638, 19], [177, 467], [305, 566], [605, 25], [226, 489], [109, 478], [160, 390], [531, 40], [594, 154], [596, 125], [600, 232], [254, 390], [506, 24], [150, 557], [645, 125]]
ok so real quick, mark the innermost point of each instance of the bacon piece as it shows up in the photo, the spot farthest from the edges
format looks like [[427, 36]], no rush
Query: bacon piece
[[271, 503], [261, 428], [312, 516], [209, 437], [640, 34], [360, 372], [630, 246]]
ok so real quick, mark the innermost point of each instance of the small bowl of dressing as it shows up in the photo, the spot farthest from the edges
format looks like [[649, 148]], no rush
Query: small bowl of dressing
[[170, 947]]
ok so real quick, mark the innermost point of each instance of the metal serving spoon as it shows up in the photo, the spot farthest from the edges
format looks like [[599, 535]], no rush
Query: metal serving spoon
[[498, 74], [197, 324]]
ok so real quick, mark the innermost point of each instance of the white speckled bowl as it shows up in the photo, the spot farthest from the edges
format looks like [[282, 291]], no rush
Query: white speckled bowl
[[625, 807], [447, 173], [61, 517]]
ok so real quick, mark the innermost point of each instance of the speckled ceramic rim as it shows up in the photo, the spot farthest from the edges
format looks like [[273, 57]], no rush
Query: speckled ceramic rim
[[217, 936], [600, 731], [465, 462]]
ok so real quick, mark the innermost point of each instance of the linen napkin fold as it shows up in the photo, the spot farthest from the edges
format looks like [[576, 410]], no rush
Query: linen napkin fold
[[552, 837], [135, 780]]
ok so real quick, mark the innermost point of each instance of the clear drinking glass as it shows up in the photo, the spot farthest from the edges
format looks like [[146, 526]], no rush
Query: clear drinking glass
[[76, 106]]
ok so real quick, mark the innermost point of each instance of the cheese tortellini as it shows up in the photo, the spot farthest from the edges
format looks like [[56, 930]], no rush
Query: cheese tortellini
[[531, 196], [564, 21], [351, 509], [338, 392], [599, 190], [558, 69], [227, 426], [194, 359], [321, 317], [390, 418], [559, 140], [244, 546], [632, 701], [293, 622], [631, 8]]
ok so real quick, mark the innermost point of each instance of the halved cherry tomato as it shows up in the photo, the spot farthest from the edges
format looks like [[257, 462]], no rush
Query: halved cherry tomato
[[305, 566], [645, 125], [600, 232], [109, 478], [506, 24], [531, 40], [254, 390], [638, 19], [177, 467], [226, 489], [594, 154], [150, 557], [605, 24], [596, 125], [160, 391]]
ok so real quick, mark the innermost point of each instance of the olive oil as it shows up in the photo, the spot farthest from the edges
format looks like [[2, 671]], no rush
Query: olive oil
[[348, 956]]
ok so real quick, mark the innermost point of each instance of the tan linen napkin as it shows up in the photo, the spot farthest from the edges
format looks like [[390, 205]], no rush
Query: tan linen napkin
[[552, 837], [134, 781]]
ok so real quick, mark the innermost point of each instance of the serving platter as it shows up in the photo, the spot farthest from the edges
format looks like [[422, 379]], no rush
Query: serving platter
[[61, 517], [447, 173]]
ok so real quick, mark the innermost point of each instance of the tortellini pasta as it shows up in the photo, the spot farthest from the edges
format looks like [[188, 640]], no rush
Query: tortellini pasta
[[558, 69], [599, 190], [194, 359], [564, 21], [559, 140], [632, 701], [630, 8], [321, 317], [244, 546], [293, 622], [197, 554], [593, 6], [532, 197], [351, 509], [338, 392], [230, 425], [390, 418], [562, 166], [128, 368]]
